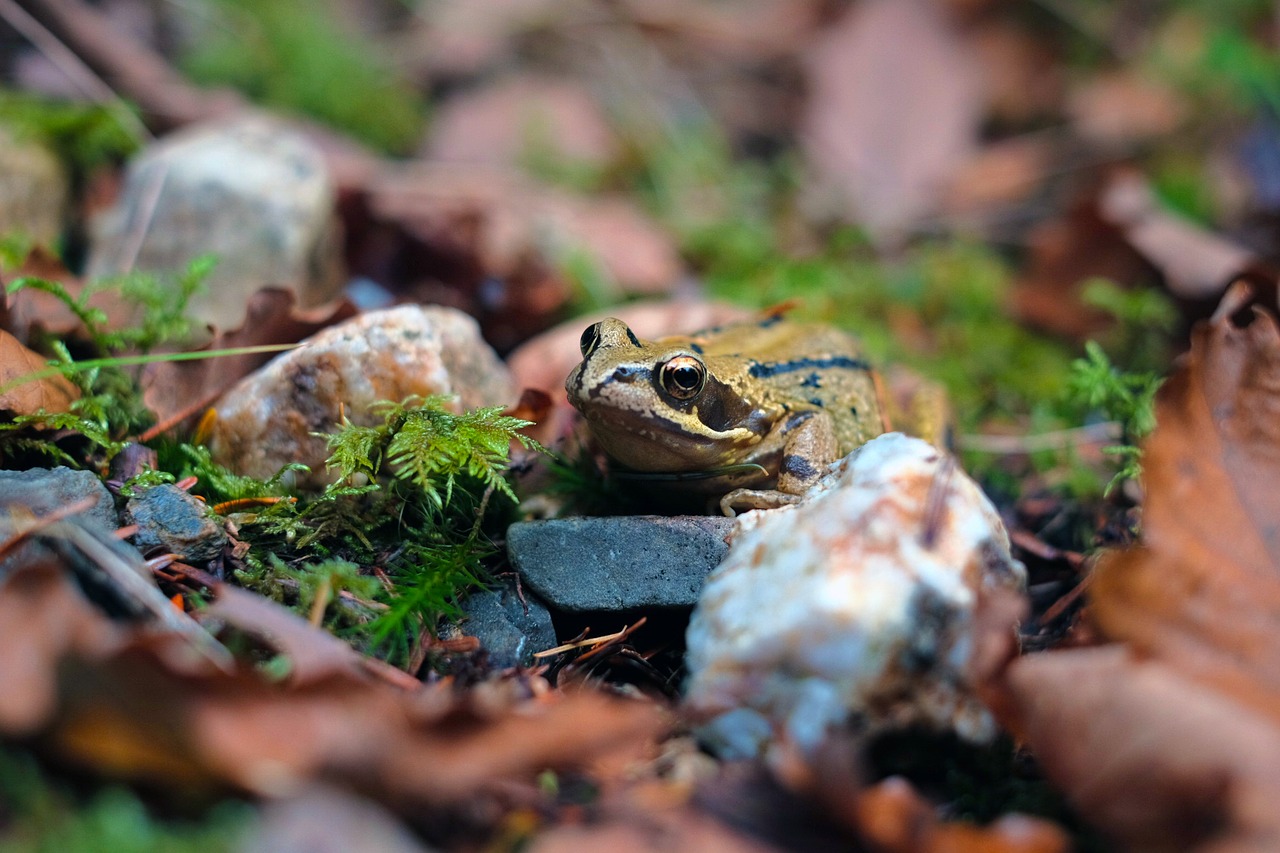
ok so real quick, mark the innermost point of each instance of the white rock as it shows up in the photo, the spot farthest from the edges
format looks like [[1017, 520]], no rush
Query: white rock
[[253, 192], [271, 416], [852, 608]]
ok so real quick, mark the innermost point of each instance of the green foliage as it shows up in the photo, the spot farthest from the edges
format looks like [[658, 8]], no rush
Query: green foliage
[[40, 813], [83, 135], [410, 497], [1127, 398], [110, 407], [430, 447], [158, 304], [289, 54]]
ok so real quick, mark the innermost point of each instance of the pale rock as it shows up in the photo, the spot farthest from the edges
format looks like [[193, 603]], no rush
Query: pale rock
[[254, 193], [852, 609], [268, 419], [33, 190]]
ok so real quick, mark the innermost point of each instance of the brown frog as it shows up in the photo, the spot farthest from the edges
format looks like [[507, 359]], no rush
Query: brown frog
[[752, 411]]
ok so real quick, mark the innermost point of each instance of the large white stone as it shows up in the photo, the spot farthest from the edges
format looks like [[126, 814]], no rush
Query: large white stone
[[254, 193], [853, 608]]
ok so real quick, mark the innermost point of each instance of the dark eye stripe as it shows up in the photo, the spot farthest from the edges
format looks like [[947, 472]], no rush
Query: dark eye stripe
[[590, 340]]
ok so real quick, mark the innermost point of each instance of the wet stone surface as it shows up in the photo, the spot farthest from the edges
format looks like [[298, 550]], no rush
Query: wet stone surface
[[510, 630], [41, 491], [619, 562], [169, 518]]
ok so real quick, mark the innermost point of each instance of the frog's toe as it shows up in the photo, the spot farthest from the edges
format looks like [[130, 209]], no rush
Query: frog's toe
[[748, 499]]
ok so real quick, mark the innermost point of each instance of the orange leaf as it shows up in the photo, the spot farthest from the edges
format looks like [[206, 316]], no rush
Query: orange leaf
[[52, 393]]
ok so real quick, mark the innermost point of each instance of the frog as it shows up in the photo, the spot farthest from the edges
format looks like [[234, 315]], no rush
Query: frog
[[753, 412]]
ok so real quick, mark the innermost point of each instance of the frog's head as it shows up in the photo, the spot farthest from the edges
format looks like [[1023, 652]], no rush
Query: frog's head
[[658, 405]]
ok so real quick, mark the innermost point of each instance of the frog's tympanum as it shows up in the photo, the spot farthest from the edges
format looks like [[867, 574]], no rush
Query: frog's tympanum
[[753, 411]]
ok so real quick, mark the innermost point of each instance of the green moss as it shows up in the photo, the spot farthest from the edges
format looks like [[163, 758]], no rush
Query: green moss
[[39, 812], [290, 55]]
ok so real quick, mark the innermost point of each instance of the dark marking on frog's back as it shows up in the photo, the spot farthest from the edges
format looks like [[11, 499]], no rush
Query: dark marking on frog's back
[[798, 466], [765, 369], [813, 380], [696, 347], [817, 401], [771, 320]]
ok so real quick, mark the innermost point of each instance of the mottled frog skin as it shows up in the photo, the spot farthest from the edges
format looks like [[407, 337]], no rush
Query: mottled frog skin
[[779, 400]]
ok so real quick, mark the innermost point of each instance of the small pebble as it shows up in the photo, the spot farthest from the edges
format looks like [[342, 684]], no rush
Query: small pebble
[[169, 518]]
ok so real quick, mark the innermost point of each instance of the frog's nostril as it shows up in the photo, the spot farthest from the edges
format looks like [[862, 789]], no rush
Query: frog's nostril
[[626, 373]]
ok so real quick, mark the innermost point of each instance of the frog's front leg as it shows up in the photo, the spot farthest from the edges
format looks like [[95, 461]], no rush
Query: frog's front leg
[[809, 447]]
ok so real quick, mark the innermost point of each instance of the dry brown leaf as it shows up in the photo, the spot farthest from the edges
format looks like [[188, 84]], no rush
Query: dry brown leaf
[[1196, 262], [272, 317], [1065, 252], [1153, 758], [1125, 108], [1203, 592], [139, 706], [30, 308], [507, 123], [52, 393], [509, 221], [894, 108], [1172, 739]]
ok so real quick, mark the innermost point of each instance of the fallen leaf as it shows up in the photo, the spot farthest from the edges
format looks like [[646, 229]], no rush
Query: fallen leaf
[[1203, 591], [894, 108], [1171, 738], [138, 706], [1066, 252], [29, 308], [1196, 262], [524, 117], [51, 393], [1124, 108]]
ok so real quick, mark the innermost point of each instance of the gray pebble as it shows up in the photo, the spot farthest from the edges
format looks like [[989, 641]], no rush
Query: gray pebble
[[169, 518], [620, 562], [509, 630]]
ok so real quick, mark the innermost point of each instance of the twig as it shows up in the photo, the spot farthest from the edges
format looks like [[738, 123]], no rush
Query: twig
[[592, 641], [1100, 433], [76, 70], [935, 503], [130, 66], [26, 529]]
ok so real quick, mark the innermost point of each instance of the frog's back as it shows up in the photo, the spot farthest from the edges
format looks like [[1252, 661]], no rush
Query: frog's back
[[803, 364]]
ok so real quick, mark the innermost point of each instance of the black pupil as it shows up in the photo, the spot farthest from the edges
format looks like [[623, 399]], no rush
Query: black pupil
[[685, 378], [588, 340]]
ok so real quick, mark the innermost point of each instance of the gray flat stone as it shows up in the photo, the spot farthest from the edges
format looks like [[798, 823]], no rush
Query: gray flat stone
[[509, 630], [169, 518], [617, 563], [40, 491]]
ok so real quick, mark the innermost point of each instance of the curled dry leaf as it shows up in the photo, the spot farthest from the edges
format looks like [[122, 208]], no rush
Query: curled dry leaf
[[1196, 262], [895, 104], [1173, 738], [52, 393], [138, 706]]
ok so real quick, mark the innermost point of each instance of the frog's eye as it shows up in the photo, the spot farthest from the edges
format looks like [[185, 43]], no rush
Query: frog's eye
[[683, 376], [590, 339]]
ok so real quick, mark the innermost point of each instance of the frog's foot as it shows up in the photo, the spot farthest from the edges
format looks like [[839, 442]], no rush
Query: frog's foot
[[746, 499]]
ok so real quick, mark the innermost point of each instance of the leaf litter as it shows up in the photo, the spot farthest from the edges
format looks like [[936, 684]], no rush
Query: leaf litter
[[1164, 735]]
